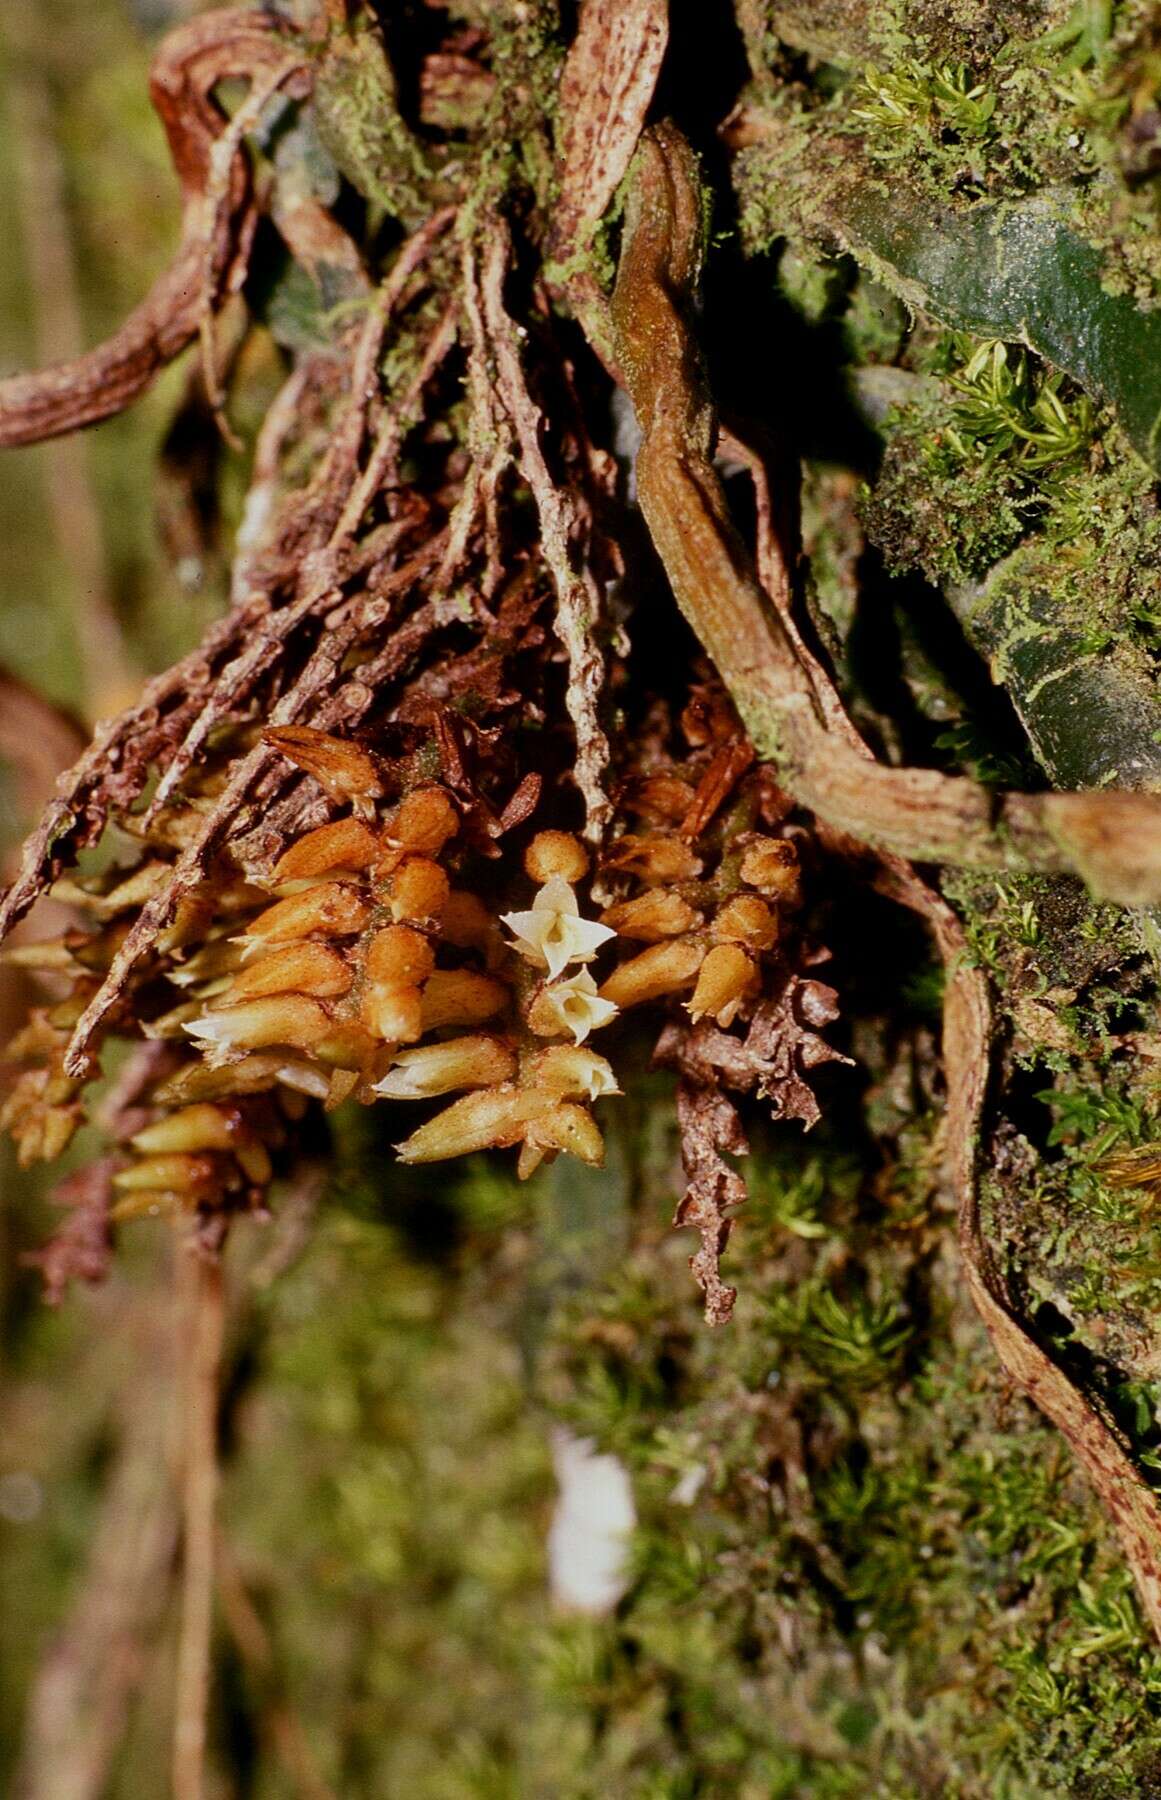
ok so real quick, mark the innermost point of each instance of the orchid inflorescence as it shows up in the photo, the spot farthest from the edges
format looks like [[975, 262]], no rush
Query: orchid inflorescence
[[366, 964]]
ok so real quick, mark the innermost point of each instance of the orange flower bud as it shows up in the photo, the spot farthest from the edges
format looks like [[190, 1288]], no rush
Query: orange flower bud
[[662, 969], [398, 957], [556, 853], [460, 997], [333, 909], [726, 976], [289, 1019], [344, 771], [771, 865], [654, 859], [344, 844], [295, 968], [746, 920], [423, 822], [652, 917], [418, 889], [467, 923], [439, 1068]]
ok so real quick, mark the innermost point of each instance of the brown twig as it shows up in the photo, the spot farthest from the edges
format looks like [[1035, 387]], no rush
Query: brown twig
[[202, 1316], [578, 603], [1112, 838], [606, 87], [212, 257]]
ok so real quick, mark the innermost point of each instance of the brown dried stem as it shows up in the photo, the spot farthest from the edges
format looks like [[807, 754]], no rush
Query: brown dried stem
[[563, 541], [217, 225], [1111, 839], [606, 87], [203, 1322]]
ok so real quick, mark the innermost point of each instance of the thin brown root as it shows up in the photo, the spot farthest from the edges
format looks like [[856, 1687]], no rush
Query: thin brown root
[[203, 1323], [578, 602]]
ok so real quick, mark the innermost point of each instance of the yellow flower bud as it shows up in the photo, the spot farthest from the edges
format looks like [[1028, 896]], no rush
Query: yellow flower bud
[[746, 920], [140, 885], [726, 976], [570, 1069], [197, 1177], [556, 853], [771, 865], [432, 1069], [221, 956], [662, 969], [198, 1127], [488, 1119], [47, 956], [568, 1128], [652, 917]]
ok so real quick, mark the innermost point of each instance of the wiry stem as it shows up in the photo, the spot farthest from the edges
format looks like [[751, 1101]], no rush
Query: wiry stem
[[203, 1322], [1111, 839]]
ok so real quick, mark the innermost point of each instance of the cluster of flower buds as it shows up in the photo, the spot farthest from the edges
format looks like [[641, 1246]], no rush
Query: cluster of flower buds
[[364, 964], [183, 1143], [706, 898], [370, 974]]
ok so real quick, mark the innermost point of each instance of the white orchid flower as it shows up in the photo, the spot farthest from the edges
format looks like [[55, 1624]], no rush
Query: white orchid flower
[[553, 933]]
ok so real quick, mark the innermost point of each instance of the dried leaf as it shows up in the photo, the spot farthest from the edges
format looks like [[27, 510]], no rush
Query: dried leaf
[[81, 1248], [709, 1125]]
